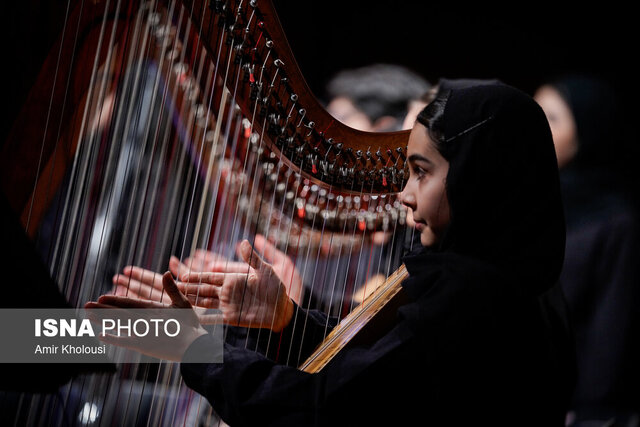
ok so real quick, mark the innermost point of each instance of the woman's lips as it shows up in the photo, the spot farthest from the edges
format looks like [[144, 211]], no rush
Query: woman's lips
[[420, 226]]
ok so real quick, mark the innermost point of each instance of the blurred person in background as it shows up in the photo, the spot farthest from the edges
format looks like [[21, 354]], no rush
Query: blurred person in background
[[374, 98], [601, 272]]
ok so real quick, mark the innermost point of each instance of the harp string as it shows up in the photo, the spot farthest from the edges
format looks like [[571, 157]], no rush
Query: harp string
[[137, 157], [209, 89], [206, 236], [208, 171], [267, 176], [199, 161], [240, 121], [295, 293], [311, 291], [339, 255], [360, 255], [204, 204], [217, 137], [255, 169], [348, 277], [35, 401], [175, 411], [88, 384], [267, 230], [259, 172], [166, 379], [138, 146], [44, 133], [333, 290], [360, 239], [163, 109], [251, 171], [61, 275], [218, 241], [229, 120]]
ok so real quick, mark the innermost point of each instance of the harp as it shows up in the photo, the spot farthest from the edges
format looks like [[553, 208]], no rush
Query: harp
[[157, 128]]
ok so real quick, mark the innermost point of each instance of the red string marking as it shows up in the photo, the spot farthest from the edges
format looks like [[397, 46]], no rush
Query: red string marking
[[314, 169], [388, 158], [327, 128], [260, 24], [323, 132], [253, 53], [384, 177]]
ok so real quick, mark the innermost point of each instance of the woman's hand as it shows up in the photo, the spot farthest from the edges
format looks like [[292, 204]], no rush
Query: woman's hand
[[207, 261], [136, 282], [255, 298], [162, 347]]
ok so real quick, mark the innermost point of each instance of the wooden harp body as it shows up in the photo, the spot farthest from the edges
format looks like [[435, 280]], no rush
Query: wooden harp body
[[158, 128]]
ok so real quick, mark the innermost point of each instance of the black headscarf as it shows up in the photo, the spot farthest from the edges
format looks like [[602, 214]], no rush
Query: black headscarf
[[445, 84], [502, 184]]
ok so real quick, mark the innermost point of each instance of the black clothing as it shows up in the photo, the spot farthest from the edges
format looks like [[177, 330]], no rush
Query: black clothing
[[493, 362], [35, 286], [601, 273], [478, 342]]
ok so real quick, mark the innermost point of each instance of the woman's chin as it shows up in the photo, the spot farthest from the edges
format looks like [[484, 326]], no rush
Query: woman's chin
[[427, 238]]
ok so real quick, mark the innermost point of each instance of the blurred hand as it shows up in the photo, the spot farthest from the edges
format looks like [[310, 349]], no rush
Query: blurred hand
[[162, 347], [137, 282], [256, 297]]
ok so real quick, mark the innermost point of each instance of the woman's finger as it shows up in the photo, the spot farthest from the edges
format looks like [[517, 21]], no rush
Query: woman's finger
[[92, 304], [211, 278], [204, 302], [155, 295], [208, 256], [250, 256], [124, 341], [201, 260], [178, 268], [272, 255], [126, 286], [204, 290], [125, 302], [142, 275], [211, 319], [177, 297], [228, 267]]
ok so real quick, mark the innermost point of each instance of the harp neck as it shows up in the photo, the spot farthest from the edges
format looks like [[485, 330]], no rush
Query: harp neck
[[294, 122]]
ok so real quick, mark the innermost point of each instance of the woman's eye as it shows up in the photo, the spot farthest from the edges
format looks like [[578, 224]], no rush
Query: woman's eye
[[419, 172]]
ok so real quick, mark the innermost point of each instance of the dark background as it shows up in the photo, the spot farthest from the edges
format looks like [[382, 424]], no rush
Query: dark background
[[522, 43]]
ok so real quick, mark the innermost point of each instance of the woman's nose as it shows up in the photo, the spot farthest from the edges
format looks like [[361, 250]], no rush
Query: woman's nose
[[407, 198]]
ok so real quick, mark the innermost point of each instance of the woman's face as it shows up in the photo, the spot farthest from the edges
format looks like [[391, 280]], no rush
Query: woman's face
[[561, 122], [425, 194]]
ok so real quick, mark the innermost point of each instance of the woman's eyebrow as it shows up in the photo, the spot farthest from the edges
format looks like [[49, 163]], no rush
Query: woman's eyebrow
[[419, 157]]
